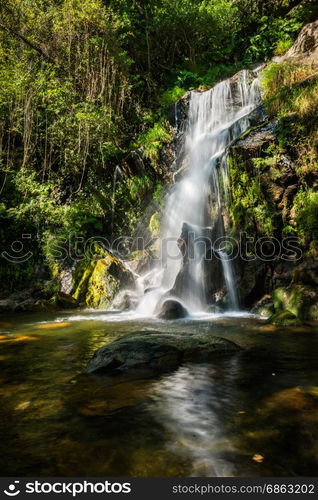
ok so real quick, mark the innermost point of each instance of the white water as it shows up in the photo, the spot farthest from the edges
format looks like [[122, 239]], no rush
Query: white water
[[216, 117]]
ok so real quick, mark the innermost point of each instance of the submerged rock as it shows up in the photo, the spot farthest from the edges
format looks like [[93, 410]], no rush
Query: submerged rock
[[172, 309], [158, 351]]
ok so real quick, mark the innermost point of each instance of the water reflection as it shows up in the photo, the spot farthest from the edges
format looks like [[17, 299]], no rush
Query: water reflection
[[193, 407]]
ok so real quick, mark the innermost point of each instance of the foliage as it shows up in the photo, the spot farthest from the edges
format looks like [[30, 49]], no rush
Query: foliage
[[84, 84], [250, 208]]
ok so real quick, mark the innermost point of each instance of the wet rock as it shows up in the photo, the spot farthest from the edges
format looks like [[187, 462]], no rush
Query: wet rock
[[284, 318], [125, 300], [64, 301], [159, 352], [214, 309], [255, 139], [194, 239], [172, 309]]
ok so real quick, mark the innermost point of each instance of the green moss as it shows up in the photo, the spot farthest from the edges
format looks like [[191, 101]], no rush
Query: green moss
[[313, 312], [96, 281]]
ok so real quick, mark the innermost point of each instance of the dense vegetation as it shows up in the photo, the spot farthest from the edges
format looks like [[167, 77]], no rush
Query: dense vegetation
[[86, 86]]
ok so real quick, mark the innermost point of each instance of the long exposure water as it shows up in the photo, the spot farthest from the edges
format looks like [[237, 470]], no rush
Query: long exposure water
[[254, 413]]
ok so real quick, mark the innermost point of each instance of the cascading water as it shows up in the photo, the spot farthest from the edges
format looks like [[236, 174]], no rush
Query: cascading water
[[216, 117]]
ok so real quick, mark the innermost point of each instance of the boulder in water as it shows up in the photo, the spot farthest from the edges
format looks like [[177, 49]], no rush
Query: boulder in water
[[158, 351], [172, 309]]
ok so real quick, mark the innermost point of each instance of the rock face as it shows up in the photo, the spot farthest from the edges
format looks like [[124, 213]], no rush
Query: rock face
[[172, 309], [158, 352], [299, 300], [305, 47]]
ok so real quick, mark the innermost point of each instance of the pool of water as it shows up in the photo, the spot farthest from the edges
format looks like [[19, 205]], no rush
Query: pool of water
[[254, 413]]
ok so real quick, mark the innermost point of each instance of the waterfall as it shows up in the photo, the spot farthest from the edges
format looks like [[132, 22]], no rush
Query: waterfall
[[195, 202]]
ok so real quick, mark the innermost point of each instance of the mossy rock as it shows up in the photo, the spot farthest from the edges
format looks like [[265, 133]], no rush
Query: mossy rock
[[264, 307], [313, 312], [158, 351], [97, 281], [154, 225], [297, 299], [102, 286], [172, 309], [284, 318]]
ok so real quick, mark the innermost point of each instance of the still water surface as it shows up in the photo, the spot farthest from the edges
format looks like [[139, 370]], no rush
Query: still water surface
[[251, 414]]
